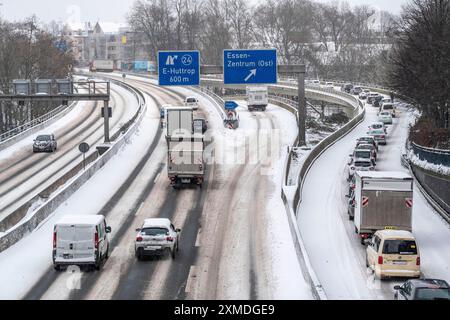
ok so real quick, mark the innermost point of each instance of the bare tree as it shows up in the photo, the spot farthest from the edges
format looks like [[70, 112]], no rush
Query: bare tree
[[420, 64], [240, 17]]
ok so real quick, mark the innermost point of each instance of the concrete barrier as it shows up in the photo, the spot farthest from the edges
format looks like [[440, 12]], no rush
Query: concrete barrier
[[292, 207], [28, 224]]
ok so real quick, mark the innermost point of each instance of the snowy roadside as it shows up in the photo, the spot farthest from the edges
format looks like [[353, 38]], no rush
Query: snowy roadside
[[22, 265]]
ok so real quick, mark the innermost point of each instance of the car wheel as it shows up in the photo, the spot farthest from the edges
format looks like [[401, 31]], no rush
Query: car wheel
[[57, 267], [107, 253], [178, 246], [139, 254], [173, 253]]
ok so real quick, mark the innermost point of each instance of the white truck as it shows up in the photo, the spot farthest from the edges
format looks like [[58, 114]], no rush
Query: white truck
[[257, 98], [179, 121], [102, 66], [383, 199], [185, 148]]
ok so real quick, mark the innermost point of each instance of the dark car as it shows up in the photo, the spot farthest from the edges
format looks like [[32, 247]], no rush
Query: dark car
[[423, 289], [200, 123], [347, 87], [45, 143], [356, 90], [377, 101]]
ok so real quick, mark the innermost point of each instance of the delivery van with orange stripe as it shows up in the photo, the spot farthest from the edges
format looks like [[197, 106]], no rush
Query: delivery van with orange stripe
[[383, 199]]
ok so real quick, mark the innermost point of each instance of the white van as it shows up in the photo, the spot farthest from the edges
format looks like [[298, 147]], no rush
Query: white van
[[80, 240]]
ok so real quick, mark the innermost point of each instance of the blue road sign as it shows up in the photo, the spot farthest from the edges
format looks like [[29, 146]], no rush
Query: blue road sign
[[250, 66], [230, 105], [179, 68]]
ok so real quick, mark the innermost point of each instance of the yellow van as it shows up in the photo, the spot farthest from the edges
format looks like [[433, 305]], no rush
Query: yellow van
[[393, 253]]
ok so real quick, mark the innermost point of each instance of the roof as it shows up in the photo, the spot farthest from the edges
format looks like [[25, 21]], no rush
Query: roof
[[396, 234], [385, 175], [81, 219], [157, 222], [429, 283]]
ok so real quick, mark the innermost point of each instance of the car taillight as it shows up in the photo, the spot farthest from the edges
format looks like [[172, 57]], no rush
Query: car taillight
[[138, 238], [54, 240], [353, 186], [96, 240], [418, 261], [353, 202], [382, 137], [380, 260], [169, 239]]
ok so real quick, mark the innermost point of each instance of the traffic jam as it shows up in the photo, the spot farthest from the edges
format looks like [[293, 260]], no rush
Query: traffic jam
[[380, 207]]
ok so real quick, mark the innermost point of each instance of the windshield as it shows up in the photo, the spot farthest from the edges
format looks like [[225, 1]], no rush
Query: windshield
[[191, 100], [377, 132], [432, 293], [400, 247], [362, 154], [154, 231], [43, 138], [385, 114], [388, 106], [377, 126], [366, 139], [362, 164]]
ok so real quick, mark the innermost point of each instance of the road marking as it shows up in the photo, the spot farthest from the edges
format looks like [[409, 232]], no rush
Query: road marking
[[139, 209], [191, 275], [197, 240], [154, 181]]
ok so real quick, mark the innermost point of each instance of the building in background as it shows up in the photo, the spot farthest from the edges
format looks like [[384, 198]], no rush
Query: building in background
[[110, 41]]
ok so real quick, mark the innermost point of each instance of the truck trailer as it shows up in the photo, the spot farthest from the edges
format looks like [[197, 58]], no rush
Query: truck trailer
[[102, 66], [383, 199]]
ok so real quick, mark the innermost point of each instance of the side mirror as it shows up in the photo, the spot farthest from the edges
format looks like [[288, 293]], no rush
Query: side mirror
[[138, 230], [178, 230], [397, 288], [347, 196], [108, 229]]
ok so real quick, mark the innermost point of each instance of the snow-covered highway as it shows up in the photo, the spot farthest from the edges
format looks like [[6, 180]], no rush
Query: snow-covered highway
[[235, 236], [335, 251]]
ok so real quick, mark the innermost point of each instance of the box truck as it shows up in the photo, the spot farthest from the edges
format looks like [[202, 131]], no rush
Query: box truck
[[185, 148], [383, 199], [102, 66], [257, 98]]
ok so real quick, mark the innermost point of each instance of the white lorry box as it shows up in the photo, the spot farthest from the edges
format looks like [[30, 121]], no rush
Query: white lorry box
[[185, 161], [257, 98], [102, 66], [80, 240], [179, 121], [383, 200]]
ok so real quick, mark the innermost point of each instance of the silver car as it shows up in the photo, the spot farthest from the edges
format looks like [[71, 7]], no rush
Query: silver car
[[156, 237]]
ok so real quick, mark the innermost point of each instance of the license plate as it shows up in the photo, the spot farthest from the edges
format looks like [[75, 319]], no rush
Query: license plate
[[153, 248], [67, 256], [185, 180], [401, 263]]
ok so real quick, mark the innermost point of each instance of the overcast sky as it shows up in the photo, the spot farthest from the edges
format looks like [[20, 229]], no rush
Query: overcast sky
[[114, 10]]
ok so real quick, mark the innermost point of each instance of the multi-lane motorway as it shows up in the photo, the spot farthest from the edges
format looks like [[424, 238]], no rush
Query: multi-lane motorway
[[235, 239]]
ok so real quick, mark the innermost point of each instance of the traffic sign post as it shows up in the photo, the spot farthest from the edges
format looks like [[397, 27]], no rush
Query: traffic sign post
[[179, 68], [84, 147], [250, 66]]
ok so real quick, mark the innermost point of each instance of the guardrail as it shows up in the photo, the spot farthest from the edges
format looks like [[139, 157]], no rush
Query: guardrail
[[431, 155], [30, 223]]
